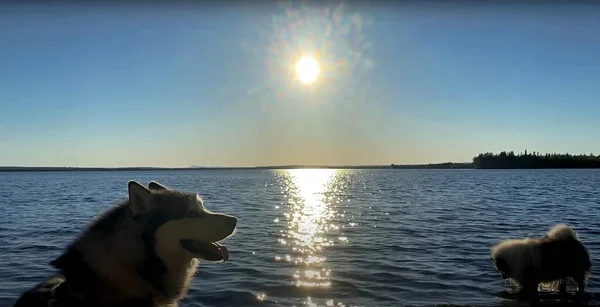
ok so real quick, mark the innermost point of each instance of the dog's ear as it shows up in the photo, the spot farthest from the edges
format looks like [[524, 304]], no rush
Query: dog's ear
[[502, 265], [153, 185], [140, 198]]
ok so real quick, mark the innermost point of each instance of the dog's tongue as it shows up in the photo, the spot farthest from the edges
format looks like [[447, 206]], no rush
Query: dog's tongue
[[224, 251]]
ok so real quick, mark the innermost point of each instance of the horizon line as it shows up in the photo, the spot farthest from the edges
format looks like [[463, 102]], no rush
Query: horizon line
[[285, 166]]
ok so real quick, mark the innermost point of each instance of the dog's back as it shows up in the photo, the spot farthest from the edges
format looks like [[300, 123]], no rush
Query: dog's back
[[565, 255], [562, 232]]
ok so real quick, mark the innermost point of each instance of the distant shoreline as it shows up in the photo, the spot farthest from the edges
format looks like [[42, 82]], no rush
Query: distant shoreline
[[503, 160], [122, 169]]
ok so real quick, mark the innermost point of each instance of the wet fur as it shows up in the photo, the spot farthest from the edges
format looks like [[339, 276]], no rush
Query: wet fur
[[118, 261], [548, 261]]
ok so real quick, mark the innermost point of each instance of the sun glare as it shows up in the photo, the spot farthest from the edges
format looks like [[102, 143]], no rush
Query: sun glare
[[307, 69]]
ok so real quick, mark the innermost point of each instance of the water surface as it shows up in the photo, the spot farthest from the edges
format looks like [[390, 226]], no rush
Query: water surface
[[322, 237]]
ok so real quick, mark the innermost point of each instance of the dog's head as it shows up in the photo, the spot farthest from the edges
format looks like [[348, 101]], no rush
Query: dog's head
[[511, 256], [501, 266], [156, 235], [179, 223]]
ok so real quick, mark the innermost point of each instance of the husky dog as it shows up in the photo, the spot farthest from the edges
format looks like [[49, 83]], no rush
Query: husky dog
[[549, 260], [142, 252]]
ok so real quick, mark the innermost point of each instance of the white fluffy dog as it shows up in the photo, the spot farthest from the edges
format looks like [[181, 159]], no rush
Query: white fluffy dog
[[549, 260]]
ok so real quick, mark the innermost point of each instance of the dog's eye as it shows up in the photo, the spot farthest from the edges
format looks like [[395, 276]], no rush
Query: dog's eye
[[193, 214], [502, 265]]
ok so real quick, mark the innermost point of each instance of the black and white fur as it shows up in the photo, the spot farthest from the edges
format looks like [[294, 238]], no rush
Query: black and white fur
[[142, 252], [547, 261]]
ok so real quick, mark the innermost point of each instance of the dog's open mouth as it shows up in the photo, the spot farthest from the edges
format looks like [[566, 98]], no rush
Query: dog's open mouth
[[210, 251]]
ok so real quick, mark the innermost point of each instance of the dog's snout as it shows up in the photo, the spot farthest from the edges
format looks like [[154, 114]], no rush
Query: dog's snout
[[232, 222]]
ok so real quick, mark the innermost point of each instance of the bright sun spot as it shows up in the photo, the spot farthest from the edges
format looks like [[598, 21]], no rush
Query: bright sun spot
[[307, 69]]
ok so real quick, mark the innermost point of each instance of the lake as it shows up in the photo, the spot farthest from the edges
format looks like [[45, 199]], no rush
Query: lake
[[322, 237]]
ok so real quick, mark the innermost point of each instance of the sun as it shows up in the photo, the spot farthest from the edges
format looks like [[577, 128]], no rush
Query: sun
[[307, 69]]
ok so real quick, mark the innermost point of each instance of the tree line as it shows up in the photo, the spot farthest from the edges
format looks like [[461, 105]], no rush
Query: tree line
[[509, 159]]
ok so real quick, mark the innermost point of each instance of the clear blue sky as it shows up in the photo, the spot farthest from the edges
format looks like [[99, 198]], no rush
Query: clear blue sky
[[200, 85]]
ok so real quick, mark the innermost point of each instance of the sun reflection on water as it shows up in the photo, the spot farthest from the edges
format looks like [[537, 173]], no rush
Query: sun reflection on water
[[310, 221], [309, 215]]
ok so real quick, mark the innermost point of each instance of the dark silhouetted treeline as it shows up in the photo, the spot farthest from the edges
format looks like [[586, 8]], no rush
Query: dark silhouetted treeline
[[446, 165], [507, 160]]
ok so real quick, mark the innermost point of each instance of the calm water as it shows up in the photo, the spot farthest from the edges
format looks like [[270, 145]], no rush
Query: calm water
[[322, 237]]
